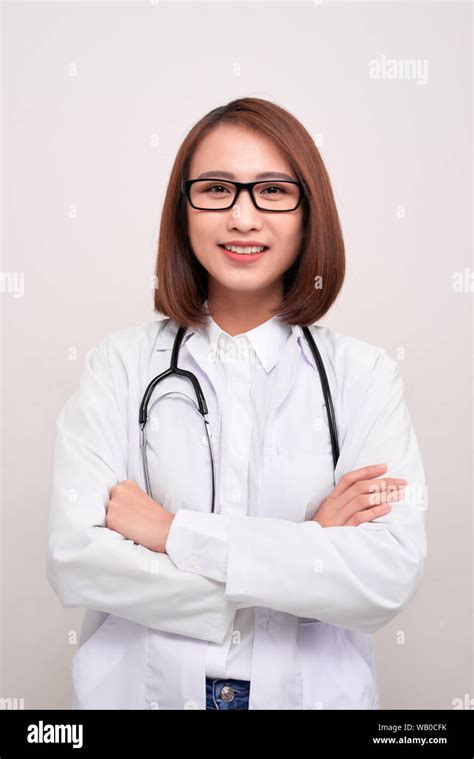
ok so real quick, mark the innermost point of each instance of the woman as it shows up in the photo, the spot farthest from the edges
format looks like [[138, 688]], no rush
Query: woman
[[260, 587]]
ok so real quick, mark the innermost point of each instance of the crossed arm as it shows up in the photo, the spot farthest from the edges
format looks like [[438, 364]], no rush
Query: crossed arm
[[355, 577]]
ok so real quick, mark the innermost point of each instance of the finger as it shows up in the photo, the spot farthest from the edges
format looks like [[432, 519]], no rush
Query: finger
[[367, 501], [373, 487], [350, 478], [368, 515], [394, 492]]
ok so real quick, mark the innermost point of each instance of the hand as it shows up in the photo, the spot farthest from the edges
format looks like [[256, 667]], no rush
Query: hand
[[352, 500], [132, 513]]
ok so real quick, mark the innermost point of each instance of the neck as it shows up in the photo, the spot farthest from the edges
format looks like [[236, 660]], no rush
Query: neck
[[237, 312]]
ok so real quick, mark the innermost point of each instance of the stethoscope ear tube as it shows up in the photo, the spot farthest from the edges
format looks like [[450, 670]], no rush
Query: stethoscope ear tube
[[173, 369], [327, 395]]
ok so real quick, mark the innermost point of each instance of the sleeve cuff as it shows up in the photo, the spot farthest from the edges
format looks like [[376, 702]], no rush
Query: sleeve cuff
[[197, 542]]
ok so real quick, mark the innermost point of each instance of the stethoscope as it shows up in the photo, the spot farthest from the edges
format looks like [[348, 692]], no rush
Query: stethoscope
[[202, 405]]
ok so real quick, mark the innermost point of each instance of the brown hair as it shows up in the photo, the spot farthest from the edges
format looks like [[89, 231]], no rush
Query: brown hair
[[182, 280]]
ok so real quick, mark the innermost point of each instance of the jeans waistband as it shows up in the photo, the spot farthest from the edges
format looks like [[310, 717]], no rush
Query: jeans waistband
[[229, 681]]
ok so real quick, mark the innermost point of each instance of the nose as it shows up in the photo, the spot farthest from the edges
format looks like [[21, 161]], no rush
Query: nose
[[244, 215]]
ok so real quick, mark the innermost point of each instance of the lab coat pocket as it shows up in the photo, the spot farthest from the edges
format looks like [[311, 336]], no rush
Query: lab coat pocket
[[108, 670], [335, 674]]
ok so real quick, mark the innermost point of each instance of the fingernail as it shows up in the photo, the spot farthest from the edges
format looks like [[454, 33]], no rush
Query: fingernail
[[380, 466]]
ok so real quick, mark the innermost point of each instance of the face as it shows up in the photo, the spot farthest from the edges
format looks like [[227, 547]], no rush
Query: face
[[243, 154]]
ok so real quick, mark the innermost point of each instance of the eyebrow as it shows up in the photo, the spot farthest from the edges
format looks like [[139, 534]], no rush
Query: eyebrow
[[228, 175]]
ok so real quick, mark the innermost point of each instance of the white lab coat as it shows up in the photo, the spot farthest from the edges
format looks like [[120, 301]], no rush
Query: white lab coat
[[319, 593]]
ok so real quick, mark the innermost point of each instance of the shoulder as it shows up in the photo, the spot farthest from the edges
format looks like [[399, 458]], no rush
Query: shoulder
[[357, 367], [127, 346], [352, 354], [121, 358]]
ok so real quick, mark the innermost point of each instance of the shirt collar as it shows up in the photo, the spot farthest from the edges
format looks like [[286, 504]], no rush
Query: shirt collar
[[267, 339], [277, 331]]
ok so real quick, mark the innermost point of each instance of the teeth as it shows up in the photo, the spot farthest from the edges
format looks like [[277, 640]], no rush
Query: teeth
[[245, 251]]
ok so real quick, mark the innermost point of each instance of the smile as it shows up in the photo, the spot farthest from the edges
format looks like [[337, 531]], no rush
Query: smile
[[244, 251]]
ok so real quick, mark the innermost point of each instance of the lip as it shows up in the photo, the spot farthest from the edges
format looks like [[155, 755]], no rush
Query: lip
[[240, 257], [243, 243]]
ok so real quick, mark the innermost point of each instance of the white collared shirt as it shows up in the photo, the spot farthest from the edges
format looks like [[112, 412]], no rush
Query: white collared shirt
[[247, 362]]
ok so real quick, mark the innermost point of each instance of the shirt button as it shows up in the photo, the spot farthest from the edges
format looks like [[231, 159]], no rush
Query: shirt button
[[227, 693], [191, 705], [193, 560]]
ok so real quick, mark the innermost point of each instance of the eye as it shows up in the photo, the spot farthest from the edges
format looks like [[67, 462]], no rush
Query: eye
[[218, 187], [278, 189]]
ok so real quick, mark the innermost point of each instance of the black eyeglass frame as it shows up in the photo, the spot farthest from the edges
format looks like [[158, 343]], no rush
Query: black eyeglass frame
[[239, 186]]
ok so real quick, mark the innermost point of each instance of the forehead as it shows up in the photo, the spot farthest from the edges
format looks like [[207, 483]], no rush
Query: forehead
[[238, 150]]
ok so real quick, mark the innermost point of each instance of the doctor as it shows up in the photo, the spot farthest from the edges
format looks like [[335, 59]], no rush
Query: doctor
[[269, 600]]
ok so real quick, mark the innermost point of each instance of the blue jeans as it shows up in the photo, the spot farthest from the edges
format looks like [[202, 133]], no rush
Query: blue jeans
[[227, 694]]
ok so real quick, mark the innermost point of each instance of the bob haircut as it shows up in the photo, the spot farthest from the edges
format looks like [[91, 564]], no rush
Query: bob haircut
[[181, 280]]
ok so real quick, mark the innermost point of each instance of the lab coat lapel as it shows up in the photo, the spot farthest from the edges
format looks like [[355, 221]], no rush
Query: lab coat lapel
[[195, 343], [203, 356]]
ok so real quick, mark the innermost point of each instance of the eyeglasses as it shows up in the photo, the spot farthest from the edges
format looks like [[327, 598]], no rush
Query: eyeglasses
[[216, 195]]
